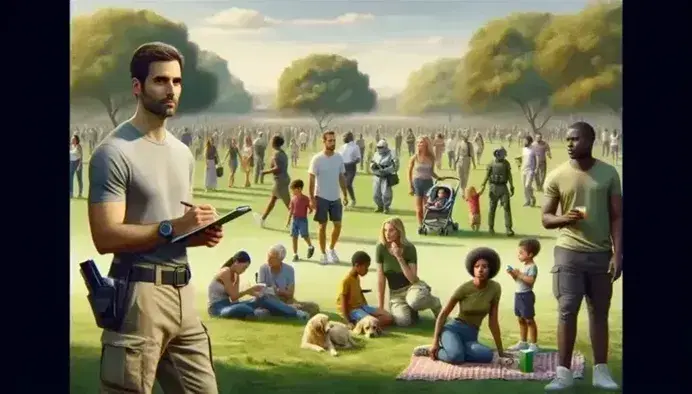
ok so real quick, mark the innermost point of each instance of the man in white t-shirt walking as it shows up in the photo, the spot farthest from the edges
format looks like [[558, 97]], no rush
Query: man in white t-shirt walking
[[528, 171], [326, 178]]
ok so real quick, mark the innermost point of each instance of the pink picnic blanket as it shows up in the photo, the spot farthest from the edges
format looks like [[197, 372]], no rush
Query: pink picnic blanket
[[544, 365]]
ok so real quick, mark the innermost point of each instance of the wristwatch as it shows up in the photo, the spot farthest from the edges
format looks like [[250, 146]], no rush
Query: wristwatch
[[166, 230]]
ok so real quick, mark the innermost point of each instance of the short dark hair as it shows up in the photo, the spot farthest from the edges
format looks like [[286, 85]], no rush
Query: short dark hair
[[297, 184], [486, 254], [531, 245], [584, 129], [348, 137], [359, 258], [277, 141], [326, 133], [528, 139], [76, 137], [152, 52]]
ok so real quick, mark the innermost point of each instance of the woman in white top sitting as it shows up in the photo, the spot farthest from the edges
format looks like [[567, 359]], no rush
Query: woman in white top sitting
[[76, 165], [225, 294]]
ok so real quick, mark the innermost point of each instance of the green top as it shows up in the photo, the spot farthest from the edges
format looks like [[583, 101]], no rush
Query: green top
[[591, 189], [499, 173], [475, 303], [392, 270]]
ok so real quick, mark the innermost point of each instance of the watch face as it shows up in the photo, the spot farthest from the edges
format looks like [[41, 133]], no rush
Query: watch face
[[166, 229]]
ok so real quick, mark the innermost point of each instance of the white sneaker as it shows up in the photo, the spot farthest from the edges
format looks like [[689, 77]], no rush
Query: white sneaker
[[521, 345], [324, 260], [602, 378], [353, 203], [333, 258], [563, 380], [258, 219], [422, 351], [302, 315], [533, 347]]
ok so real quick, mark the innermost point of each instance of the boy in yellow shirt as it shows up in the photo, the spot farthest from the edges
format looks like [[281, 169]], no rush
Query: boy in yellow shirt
[[351, 302]]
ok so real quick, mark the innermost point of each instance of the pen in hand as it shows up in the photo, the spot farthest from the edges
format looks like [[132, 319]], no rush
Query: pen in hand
[[187, 204]]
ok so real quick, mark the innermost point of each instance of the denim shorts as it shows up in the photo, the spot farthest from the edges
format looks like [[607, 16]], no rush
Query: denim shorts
[[299, 227], [359, 313], [328, 210], [421, 186], [525, 305]]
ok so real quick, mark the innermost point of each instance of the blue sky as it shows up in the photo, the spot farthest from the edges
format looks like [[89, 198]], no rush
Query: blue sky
[[389, 38]]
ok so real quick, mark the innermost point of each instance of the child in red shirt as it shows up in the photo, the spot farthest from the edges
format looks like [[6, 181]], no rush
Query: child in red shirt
[[298, 213], [473, 198]]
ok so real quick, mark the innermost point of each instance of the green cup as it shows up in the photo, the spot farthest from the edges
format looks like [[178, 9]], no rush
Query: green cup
[[526, 360]]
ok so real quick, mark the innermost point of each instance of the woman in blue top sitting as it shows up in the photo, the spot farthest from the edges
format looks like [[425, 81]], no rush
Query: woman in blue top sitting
[[225, 294]]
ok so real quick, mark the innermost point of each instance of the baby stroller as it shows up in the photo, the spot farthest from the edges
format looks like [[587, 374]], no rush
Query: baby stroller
[[440, 219]]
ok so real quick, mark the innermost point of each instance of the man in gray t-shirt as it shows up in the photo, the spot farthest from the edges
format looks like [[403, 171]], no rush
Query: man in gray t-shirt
[[138, 177], [326, 174], [542, 151]]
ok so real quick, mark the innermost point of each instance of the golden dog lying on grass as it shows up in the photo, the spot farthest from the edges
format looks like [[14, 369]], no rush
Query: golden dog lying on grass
[[321, 335], [368, 326]]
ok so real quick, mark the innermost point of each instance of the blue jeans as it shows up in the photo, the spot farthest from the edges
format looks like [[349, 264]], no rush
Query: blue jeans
[[76, 170], [459, 344], [359, 313], [243, 309]]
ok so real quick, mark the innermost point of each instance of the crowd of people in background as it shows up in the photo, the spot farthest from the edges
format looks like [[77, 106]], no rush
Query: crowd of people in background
[[328, 189]]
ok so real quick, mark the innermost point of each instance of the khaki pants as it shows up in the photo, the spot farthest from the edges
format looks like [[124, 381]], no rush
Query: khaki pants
[[405, 301], [463, 170], [162, 339]]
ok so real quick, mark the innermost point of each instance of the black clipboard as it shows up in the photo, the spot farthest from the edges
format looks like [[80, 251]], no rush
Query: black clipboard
[[234, 214]]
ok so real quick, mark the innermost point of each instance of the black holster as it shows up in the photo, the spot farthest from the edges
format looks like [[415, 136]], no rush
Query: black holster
[[107, 298]]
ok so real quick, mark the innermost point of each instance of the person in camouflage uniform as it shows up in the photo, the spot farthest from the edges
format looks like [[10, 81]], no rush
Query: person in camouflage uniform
[[499, 174]]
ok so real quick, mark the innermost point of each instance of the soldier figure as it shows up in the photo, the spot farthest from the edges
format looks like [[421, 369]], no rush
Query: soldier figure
[[499, 174]]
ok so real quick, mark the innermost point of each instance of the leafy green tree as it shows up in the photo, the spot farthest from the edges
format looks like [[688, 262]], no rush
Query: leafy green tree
[[324, 85], [431, 89], [499, 69], [232, 97], [581, 56], [102, 45]]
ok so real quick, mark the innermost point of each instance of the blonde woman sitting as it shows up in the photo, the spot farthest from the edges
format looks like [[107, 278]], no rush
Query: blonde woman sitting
[[397, 266]]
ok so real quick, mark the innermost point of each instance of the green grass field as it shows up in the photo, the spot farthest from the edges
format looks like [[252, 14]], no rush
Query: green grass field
[[264, 356]]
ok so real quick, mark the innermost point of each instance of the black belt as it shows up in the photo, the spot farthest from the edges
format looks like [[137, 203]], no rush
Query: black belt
[[177, 277]]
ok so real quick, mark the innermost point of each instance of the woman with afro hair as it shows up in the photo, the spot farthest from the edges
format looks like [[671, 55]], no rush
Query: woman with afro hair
[[456, 342]]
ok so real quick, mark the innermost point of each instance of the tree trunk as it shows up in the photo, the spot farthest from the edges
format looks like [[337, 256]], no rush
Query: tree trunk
[[531, 115], [110, 109], [323, 120]]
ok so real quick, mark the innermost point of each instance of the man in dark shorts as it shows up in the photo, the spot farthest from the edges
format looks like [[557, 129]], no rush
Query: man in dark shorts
[[588, 250], [138, 177], [326, 178], [279, 170]]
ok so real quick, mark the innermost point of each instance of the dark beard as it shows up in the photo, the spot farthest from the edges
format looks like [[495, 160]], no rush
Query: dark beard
[[157, 108]]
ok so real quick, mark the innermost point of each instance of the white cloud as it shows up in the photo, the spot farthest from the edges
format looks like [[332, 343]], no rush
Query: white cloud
[[243, 18], [259, 59]]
